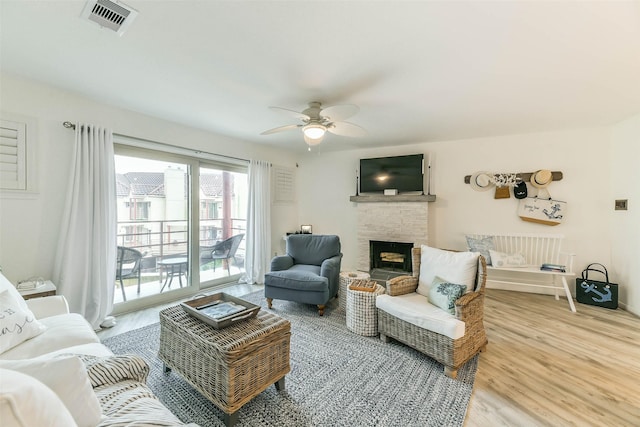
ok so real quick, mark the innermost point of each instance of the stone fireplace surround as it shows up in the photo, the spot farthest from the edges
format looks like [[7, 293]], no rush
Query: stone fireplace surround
[[405, 222]]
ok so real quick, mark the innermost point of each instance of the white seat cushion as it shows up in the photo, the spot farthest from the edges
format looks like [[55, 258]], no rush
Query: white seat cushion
[[64, 330], [92, 349], [416, 309]]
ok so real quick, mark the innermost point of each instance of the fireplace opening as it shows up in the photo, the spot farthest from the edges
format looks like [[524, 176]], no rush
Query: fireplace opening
[[390, 256]]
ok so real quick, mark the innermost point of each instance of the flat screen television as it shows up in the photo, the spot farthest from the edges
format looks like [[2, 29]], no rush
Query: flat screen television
[[402, 173]]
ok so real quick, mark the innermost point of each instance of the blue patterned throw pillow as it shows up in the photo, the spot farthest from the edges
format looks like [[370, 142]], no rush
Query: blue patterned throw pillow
[[482, 245], [443, 294]]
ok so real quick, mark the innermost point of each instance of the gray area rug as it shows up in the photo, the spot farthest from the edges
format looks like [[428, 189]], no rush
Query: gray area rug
[[337, 378]]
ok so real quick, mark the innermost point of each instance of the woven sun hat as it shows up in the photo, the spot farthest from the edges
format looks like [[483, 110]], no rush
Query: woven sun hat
[[541, 178], [481, 181]]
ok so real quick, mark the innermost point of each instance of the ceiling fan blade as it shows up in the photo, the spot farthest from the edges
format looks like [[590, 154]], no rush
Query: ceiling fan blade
[[347, 129], [339, 112], [292, 113], [279, 129]]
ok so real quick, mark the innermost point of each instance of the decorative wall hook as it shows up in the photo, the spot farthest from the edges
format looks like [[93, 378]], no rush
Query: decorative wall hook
[[524, 176]]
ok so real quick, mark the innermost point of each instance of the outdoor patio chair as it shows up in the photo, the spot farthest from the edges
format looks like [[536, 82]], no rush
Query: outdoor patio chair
[[129, 265], [225, 250]]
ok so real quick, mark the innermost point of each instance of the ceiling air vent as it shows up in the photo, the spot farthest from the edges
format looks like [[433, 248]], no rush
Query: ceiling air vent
[[109, 14]]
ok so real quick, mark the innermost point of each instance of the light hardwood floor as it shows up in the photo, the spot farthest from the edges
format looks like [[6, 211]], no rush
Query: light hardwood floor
[[138, 319], [544, 366]]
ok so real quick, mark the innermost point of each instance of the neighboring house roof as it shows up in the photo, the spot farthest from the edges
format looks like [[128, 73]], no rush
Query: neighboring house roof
[[152, 184], [211, 184], [122, 185], [144, 183]]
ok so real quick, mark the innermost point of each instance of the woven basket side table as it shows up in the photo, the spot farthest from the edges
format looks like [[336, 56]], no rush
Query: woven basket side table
[[346, 277], [229, 366], [362, 316]]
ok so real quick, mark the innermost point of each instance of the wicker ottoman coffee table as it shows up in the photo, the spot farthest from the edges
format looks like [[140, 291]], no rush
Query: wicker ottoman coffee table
[[229, 366]]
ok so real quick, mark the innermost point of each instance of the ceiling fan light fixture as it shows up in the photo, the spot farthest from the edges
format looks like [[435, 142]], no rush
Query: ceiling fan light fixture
[[316, 122], [314, 131], [313, 141]]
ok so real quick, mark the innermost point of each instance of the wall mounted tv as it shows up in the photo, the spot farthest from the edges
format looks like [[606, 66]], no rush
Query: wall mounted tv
[[402, 173]]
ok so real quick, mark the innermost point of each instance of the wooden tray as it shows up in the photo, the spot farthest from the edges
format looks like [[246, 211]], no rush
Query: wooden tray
[[196, 308]]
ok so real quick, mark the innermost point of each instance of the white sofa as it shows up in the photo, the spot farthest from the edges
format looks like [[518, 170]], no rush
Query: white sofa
[[63, 375]]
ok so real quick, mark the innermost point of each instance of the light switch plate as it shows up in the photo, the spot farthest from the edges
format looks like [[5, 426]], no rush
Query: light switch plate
[[621, 204]]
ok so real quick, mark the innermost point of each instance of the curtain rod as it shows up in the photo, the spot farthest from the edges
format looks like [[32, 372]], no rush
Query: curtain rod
[[70, 125]]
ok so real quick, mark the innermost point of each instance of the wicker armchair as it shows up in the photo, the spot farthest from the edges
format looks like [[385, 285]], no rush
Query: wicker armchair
[[469, 308]]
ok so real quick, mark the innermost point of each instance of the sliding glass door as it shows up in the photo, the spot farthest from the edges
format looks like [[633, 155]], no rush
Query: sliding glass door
[[181, 225], [223, 224], [153, 208]]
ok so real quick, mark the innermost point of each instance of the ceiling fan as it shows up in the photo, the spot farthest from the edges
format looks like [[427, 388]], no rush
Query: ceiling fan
[[317, 121]]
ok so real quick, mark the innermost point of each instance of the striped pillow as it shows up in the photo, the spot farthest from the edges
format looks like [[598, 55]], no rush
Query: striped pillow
[[112, 369]]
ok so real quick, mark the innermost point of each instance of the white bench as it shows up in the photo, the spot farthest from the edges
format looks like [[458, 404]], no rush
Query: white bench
[[537, 250]]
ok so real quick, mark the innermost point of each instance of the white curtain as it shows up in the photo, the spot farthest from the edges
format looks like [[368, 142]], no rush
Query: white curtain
[[258, 243], [85, 262]]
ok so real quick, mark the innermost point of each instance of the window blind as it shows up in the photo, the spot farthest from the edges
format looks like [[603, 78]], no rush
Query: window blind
[[284, 184], [13, 164]]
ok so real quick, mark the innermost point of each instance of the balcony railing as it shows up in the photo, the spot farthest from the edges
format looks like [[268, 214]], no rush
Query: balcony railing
[[167, 238]]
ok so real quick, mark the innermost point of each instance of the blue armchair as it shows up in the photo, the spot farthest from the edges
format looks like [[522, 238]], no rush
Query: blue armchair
[[309, 273]]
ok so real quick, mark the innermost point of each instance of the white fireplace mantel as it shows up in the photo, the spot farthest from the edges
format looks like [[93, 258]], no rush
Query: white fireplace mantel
[[379, 198]]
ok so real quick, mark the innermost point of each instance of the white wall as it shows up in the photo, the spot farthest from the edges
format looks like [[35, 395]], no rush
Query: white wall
[[599, 165], [625, 225], [325, 182], [328, 179], [29, 225]]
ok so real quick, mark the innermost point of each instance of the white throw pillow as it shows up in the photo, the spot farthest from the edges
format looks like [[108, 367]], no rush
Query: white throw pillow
[[26, 402], [17, 323], [67, 377], [501, 259], [5, 284], [454, 267]]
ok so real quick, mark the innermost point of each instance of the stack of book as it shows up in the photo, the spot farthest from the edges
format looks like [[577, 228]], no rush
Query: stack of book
[[219, 309], [553, 267], [31, 284]]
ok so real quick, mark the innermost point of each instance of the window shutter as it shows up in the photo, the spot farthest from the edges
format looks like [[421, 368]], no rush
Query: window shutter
[[284, 184], [13, 164]]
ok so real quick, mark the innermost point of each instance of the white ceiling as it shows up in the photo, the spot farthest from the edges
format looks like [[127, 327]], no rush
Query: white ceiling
[[420, 71]]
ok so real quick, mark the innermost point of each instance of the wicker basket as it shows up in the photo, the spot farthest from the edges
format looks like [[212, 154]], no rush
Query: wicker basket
[[346, 277], [362, 316]]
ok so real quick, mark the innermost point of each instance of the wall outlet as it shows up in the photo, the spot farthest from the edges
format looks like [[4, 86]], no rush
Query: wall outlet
[[621, 204]]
